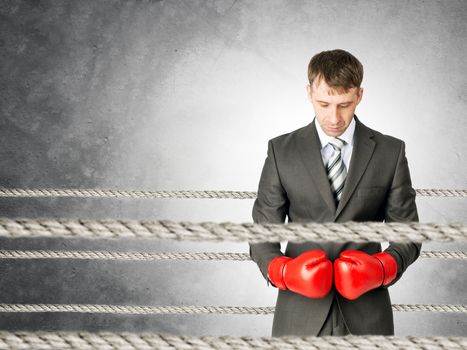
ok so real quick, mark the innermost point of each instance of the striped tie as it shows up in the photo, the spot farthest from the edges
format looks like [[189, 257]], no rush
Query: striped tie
[[336, 169]]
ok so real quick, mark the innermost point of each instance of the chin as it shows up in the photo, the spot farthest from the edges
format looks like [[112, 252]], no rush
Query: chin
[[335, 133]]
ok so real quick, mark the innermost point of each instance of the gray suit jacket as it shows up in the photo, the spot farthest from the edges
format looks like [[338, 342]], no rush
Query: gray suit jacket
[[378, 188]]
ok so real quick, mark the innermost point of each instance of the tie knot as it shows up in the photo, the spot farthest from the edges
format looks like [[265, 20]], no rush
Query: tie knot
[[337, 144]]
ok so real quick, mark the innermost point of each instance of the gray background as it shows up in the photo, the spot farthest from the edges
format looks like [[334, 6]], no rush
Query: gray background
[[184, 95]]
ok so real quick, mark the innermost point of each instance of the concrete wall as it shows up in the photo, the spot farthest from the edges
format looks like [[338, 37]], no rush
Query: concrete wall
[[184, 95]]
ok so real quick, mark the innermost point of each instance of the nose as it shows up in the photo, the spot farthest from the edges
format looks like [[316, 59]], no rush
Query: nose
[[334, 116]]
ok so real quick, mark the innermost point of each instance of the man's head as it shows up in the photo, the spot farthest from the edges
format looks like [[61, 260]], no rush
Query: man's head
[[334, 90]]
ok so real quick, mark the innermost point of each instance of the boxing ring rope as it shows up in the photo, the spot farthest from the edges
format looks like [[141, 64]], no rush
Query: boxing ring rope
[[233, 232], [153, 256], [206, 194], [209, 231], [196, 309], [146, 341]]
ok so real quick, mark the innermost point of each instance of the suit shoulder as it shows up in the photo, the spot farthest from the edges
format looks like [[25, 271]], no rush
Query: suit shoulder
[[387, 140], [290, 137]]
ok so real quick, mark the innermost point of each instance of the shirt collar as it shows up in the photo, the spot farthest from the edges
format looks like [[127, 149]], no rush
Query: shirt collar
[[347, 136]]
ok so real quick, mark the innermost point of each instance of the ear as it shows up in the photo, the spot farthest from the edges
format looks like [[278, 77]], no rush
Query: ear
[[360, 95], [308, 91]]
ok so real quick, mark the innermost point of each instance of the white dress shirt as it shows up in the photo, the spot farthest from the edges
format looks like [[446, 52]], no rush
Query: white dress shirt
[[327, 150]]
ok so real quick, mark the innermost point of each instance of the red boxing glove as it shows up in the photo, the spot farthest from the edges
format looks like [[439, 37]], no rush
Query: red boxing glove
[[357, 272], [309, 274]]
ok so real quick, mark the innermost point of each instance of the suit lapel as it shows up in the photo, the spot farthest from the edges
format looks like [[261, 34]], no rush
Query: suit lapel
[[361, 154], [310, 154]]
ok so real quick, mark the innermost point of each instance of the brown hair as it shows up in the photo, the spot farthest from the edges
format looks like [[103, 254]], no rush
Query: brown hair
[[340, 69]]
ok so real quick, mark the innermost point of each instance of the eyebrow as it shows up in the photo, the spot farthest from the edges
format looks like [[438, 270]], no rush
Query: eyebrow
[[342, 103]]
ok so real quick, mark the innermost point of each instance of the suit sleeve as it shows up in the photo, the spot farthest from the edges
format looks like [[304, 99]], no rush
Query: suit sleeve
[[401, 207], [270, 206]]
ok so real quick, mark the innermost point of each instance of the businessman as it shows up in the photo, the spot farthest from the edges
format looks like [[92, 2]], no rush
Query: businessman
[[334, 169]]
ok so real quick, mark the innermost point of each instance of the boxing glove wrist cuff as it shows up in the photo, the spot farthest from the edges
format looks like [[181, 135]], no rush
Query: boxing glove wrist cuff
[[276, 271], [389, 267]]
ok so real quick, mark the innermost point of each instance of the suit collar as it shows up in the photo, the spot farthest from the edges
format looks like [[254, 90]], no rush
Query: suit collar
[[364, 146], [310, 154]]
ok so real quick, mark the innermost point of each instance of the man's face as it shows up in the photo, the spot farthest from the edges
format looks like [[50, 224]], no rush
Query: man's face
[[333, 111]]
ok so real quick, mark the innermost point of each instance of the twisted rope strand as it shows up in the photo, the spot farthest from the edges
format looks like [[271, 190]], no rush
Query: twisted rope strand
[[150, 256], [210, 231], [195, 309], [443, 255], [203, 194], [94, 193], [430, 307], [441, 192], [135, 310], [128, 256], [146, 341]]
